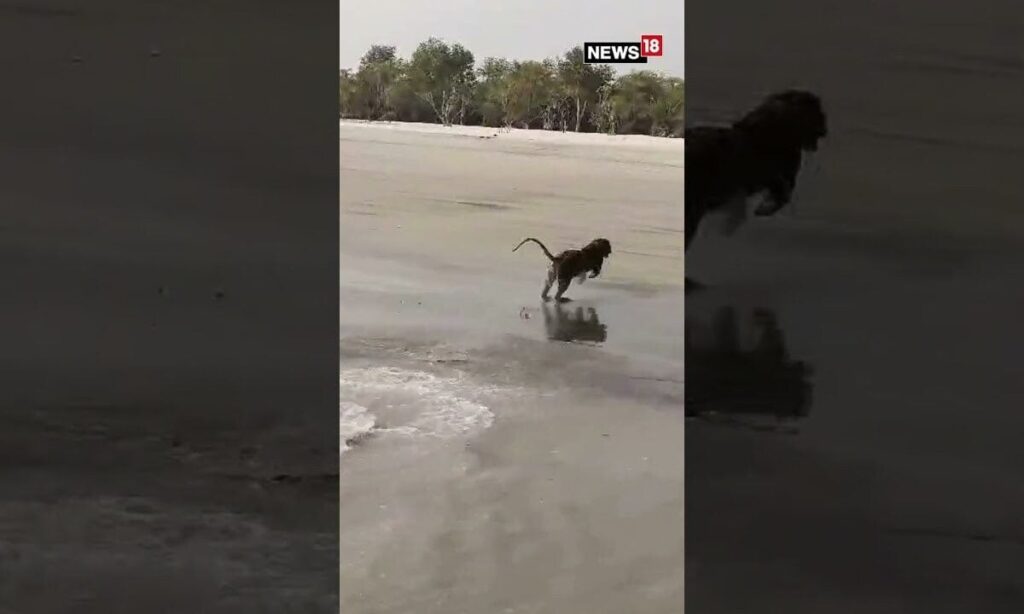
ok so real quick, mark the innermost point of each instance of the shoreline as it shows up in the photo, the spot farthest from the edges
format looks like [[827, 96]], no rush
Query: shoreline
[[520, 134]]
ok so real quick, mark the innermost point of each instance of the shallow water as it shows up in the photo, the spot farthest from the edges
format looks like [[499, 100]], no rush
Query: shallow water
[[549, 474]]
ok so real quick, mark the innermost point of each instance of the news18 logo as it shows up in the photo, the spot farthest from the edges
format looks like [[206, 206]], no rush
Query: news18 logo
[[650, 46]]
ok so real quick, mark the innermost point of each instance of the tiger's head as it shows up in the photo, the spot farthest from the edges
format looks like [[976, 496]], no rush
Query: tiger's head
[[793, 118]]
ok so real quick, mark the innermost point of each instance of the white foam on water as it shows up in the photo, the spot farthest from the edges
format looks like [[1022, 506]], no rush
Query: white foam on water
[[356, 422], [411, 403]]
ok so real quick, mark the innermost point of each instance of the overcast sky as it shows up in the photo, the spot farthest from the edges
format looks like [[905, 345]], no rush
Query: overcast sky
[[520, 30]]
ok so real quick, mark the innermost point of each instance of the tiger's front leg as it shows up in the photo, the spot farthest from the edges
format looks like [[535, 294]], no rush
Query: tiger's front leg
[[552, 273]]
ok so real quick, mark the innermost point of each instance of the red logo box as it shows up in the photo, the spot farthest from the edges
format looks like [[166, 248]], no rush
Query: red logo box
[[652, 45]]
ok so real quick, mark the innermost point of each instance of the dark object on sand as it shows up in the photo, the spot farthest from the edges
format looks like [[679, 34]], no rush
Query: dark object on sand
[[572, 264], [725, 379], [563, 325], [760, 153]]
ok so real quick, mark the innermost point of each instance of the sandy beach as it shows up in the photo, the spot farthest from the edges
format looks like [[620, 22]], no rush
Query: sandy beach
[[505, 455]]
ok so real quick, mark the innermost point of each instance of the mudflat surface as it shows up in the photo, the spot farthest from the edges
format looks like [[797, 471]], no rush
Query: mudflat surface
[[504, 454]]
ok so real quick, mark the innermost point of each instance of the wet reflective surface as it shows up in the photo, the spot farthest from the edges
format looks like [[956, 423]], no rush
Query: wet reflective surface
[[515, 455], [903, 467], [742, 368], [565, 322]]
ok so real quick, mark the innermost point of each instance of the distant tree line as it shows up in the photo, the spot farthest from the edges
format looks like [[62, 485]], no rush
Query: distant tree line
[[441, 83]]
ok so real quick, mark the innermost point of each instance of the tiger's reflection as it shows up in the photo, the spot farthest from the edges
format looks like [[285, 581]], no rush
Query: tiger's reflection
[[578, 324], [752, 375]]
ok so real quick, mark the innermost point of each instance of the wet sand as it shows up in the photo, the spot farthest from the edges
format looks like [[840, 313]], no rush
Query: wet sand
[[865, 448], [552, 477], [857, 444]]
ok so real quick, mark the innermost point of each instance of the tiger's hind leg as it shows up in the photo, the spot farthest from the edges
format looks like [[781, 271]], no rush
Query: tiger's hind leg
[[563, 285]]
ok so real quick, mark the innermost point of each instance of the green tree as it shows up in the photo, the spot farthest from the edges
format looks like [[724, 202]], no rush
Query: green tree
[[379, 70], [439, 84], [633, 100], [378, 54], [351, 103], [493, 91], [408, 106], [581, 82], [442, 75], [531, 86], [603, 115], [667, 114]]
